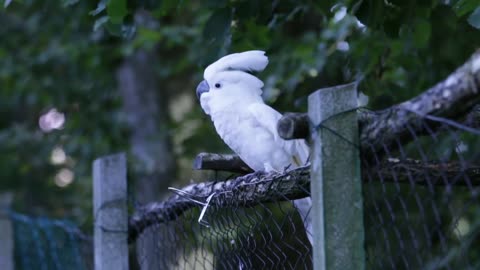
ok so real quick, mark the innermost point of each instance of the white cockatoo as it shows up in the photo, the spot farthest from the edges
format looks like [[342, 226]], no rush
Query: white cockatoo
[[232, 98]]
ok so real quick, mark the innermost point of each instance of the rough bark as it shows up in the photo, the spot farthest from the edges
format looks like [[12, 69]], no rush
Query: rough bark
[[243, 191], [260, 187], [221, 162], [147, 116], [294, 126]]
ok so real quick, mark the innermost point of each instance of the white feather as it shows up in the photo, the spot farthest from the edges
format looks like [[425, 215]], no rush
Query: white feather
[[245, 61], [268, 118]]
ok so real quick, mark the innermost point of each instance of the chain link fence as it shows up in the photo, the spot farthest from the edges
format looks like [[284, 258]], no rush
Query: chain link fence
[[266, 236], [419, 173], [49, 244], [421, 211], [421, 200]]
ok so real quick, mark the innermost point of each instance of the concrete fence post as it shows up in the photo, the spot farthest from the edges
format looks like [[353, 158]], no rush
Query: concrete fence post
[[337, 206], [110, 212], [6, 233]]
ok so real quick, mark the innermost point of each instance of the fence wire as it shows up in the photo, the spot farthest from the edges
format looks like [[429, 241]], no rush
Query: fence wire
[[266, 236], [421, 198], [421, 211], [50, 244]]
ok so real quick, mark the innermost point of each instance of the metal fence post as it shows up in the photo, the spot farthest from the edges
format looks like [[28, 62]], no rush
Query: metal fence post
[[335, 180], [110, 212], [6, 233]]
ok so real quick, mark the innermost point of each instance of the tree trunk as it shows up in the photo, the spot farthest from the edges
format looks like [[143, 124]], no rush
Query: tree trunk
[[153, 166]]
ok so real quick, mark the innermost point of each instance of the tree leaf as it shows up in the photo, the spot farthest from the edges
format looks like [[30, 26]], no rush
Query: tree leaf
[[216, 3], [128, 31], [474, 18], [422, 32], [101, 6], [67, 3], [218, 25], [117, 10], [100, 22], [463, 7], [7, 3]]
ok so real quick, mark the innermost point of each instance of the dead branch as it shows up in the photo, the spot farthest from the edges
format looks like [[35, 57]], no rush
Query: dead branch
[[423, 173], [244, 191], [220, 162], [260, 187], [294, 126], [454, 98]]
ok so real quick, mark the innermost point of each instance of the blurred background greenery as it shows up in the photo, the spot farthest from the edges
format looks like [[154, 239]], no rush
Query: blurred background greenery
[[81, 79]]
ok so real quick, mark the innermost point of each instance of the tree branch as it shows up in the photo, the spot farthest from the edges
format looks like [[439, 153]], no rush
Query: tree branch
[[453, 98], [245, 191], [294, 126], [220, 162], [424, 173], [260, 187]]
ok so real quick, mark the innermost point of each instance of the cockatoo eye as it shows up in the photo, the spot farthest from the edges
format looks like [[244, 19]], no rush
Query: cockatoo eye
[[218, 85]]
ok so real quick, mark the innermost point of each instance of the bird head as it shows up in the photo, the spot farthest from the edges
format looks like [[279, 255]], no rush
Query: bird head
[[227, 81]]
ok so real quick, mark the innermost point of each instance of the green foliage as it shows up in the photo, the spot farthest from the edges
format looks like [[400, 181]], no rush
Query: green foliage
[[50, 59]]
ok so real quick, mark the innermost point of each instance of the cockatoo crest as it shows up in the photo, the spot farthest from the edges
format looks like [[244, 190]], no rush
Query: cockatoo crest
[[228, 82], [245, 61]]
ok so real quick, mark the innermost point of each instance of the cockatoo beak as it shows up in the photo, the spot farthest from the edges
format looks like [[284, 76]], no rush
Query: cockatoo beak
[[202, 87]]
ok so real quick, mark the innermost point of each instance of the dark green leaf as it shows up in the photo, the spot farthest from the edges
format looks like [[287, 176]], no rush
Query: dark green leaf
[[218, 25], [464, 7], [421, 33], [126, 31], [114, 28], [474, 18], [67, 3], [117, 10], [216, 3]]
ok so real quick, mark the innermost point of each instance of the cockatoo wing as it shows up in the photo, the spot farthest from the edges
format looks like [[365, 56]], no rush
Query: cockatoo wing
[[267, 117], [245, 61]]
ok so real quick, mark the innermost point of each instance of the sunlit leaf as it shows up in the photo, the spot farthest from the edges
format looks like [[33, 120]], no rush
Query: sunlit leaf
[[128, 30], [7, 3], [463, 7], [100, 22], [101, 6], [474, 18]]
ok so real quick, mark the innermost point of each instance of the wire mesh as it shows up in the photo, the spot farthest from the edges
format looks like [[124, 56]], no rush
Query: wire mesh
[[265, 236], [44, 244], [421, 211], [421, 198]]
